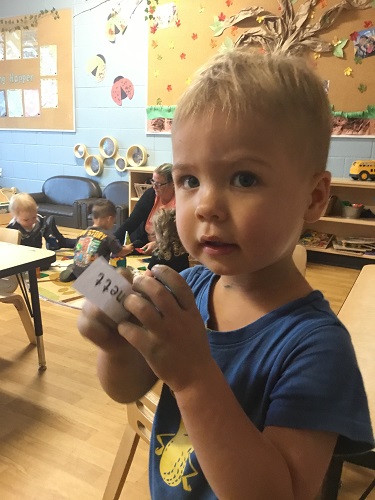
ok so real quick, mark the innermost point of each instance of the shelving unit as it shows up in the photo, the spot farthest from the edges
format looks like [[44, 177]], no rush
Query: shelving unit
[[137, 175], [355, 192]]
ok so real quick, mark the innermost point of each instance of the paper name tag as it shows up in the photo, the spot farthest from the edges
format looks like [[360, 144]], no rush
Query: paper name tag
[[105, 288]]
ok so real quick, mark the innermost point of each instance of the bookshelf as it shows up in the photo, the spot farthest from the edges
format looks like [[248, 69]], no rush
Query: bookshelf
[[138, 175], [335, 223]]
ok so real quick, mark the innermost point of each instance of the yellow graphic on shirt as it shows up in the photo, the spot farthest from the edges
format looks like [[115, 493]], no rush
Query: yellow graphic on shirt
[[175, 456]]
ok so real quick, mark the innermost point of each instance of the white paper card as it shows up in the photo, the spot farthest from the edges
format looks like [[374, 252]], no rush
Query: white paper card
[[102, 285]]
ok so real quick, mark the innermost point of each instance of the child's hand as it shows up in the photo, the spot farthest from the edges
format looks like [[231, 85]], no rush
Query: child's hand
[[127, 249], [149, 248], [172, 337], [99, 328]]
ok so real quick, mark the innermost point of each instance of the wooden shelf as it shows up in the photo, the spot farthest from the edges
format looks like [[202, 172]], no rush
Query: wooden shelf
[[139, 175], [355, 192]]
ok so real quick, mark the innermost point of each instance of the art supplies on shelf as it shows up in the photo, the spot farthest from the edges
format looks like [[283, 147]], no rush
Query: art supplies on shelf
[[315, 239]]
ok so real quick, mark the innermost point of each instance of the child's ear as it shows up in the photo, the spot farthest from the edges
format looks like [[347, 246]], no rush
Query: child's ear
[[319, 195]]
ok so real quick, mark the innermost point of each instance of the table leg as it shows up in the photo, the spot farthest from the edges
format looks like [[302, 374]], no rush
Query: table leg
[[37, 316]]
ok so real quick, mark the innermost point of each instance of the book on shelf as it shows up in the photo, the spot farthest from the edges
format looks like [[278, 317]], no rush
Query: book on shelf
[[315, 239], [354, 244]]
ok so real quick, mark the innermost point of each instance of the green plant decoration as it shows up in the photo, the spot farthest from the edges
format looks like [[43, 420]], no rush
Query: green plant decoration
[[26, 22], [362, 87]]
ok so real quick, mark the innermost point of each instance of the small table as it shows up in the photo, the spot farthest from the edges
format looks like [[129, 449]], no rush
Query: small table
[[16, 259]]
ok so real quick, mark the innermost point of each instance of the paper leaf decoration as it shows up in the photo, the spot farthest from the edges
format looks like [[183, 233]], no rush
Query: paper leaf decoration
[[338, 49], [362, 87], [290, 32], [228, 44]]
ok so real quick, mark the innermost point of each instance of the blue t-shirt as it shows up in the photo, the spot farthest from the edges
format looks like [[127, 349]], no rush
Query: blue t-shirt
[[294, 367]]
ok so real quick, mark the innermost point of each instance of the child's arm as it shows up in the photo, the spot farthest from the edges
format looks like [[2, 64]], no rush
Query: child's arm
[[237, 459]]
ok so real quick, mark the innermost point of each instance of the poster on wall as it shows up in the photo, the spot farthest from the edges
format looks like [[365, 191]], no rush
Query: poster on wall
[[339, 45], [36, 72]]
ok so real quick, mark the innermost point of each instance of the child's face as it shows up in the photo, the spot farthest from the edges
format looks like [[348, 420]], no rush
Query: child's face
[[240, 197], [27, 219]]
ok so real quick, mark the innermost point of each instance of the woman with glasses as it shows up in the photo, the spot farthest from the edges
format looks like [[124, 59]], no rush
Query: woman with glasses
[[139, 224]]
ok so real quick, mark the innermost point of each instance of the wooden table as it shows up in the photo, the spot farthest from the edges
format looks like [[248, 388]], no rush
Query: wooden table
[[358, 315], [16, 259]]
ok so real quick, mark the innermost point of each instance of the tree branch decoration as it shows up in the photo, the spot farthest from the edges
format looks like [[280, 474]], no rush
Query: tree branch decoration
[[27, 22], [290, 33]]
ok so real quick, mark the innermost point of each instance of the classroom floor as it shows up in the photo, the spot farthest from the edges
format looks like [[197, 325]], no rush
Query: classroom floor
[[59, 431]]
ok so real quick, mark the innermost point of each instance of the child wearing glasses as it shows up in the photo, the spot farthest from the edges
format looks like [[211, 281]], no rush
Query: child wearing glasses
[[261, 382]]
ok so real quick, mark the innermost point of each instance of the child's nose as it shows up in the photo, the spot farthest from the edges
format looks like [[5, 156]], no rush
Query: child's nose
[[211, 204]]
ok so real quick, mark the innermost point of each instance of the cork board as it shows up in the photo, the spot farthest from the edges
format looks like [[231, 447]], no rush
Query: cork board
[[36, 74], [185, 34]]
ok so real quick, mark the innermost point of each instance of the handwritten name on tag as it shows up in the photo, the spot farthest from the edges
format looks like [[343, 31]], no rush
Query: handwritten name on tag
[[105, 288]]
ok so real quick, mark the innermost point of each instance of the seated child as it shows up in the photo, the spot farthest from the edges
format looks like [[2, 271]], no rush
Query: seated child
[[33, 226], [170, 250], [97, 240]]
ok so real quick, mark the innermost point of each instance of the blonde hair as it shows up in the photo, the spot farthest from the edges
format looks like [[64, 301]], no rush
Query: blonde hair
[[165, 169], [284, 90], [169, 243], [22, 202]]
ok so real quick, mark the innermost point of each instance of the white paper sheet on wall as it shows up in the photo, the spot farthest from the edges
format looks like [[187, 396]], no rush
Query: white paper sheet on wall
[[48, 60], [2, 54], [49, 95], [30, 44], [14, 98], [32, 102], [3, 109], [13, 44]]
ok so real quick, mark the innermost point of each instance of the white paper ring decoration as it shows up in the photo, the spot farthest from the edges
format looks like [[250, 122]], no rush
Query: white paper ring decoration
[[80, 151], [136, 156], [94, 165], [108, 147], [121, 163]]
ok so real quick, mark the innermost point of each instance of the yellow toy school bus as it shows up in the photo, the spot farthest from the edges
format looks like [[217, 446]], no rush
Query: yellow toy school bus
[[362, 170]]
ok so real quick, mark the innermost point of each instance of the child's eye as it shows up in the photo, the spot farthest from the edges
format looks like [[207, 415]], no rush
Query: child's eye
[[244, 179], [190, 182]]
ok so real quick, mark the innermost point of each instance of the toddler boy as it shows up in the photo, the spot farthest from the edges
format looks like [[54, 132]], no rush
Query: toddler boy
[[261, 383], [33, 226], [97, 240]]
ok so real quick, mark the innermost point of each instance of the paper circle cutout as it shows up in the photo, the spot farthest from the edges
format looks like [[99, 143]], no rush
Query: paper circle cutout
[[94, 165]]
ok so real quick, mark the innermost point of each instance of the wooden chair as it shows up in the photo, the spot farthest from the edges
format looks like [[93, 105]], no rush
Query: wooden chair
[[300, 258], [8, 286], [140, 418]]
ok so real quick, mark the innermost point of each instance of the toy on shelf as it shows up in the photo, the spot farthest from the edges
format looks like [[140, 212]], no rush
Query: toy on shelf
[[362, 170]]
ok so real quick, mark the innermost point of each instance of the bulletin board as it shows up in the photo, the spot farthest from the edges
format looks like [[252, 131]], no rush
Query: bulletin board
[[337, 36], [36, 73]]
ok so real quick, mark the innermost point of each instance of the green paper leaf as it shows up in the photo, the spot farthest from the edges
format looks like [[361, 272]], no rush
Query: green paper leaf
[[228, 44], [338, 49], [362, 87], [358, 60], [217, 26]]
